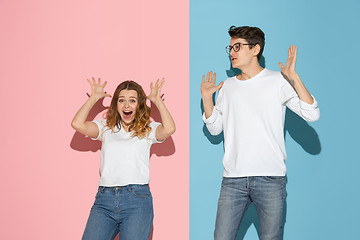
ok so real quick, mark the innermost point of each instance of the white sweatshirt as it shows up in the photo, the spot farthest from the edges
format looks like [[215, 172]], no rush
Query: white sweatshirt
[[251, 113]]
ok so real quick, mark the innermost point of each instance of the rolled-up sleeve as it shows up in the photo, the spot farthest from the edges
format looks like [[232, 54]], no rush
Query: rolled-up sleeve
[[152, 133], [214, 123], [101, 124], [309, 112]]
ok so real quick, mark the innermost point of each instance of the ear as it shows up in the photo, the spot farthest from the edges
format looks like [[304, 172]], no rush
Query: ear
[[256, 49]]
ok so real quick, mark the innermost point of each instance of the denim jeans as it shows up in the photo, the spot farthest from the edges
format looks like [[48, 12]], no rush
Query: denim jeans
[[125, 210], [268, 195]]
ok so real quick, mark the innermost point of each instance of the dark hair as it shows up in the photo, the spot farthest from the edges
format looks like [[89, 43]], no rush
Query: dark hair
[[140, 125], [252, 35]]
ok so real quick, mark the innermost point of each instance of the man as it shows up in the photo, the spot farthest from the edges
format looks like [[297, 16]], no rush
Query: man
[[250, 110]]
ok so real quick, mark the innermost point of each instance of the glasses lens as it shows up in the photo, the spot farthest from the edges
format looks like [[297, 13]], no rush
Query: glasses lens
[[236, 47], [227, 48]]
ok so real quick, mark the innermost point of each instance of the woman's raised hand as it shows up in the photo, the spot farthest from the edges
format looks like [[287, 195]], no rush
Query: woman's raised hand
[[97, 89], [155, 90], [167, 126], [208, 85]]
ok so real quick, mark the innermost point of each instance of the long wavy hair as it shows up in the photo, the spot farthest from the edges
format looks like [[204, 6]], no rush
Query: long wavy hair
[[140, 125]]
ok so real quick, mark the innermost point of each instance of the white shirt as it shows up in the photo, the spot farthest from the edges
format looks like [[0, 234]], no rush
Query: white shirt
[[124, 159], [252, 113]]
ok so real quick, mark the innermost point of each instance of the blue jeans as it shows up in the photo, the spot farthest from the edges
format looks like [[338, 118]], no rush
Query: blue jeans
[[268, 195], [125, 210]]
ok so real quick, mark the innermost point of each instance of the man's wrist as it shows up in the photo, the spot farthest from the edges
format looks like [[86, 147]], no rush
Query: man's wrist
[[206, 97]]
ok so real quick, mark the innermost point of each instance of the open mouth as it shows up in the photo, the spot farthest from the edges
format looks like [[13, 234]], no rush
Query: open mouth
[[127, 114]]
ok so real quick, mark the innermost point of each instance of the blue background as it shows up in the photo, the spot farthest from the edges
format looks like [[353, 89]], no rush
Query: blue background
[[323, 197]]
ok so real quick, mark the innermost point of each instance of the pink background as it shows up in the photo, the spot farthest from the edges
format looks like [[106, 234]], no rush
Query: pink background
[[48, 50]]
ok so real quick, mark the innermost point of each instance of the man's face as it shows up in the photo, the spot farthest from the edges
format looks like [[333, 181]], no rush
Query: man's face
[[244, 56]]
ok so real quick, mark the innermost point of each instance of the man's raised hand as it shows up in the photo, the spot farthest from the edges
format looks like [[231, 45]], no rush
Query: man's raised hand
[[208, 85], [289, 69]]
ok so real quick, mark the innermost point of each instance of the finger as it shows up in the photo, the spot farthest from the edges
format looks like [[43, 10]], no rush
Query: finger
[[202, 81], [161, 83], [151, 85], [93, 80], [207, 77], [293, 50], [157, 83], [107, 95], [89, 82], [99, 81], [289, 52], [104, 84], [219, 86], [211, 76], [214, 77], [281, 66]]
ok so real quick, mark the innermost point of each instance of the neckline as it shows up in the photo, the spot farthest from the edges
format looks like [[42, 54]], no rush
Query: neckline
[[123, 129], [252, 78]]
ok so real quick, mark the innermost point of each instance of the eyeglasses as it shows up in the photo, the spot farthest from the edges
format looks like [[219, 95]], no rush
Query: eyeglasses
[[236, 47]]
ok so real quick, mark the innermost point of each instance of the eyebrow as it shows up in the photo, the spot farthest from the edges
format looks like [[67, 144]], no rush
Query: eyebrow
[[240, 42], [129, 97]]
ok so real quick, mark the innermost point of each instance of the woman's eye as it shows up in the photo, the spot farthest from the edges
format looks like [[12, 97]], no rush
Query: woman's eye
[[133, 101], [121, 100]]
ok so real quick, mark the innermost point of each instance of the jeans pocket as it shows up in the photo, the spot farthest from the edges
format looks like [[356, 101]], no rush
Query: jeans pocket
[[275, 178], [141, 192], [99, 192]]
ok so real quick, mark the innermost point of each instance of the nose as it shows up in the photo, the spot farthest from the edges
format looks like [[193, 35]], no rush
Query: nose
[[126, 104]]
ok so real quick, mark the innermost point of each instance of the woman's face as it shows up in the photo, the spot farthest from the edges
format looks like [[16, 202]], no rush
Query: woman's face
[[126, 106]]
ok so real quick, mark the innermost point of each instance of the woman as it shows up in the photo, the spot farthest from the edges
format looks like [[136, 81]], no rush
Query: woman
[[123, 202]]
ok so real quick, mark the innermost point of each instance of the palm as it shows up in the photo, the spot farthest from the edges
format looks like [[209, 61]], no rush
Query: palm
[[97, 89], [289, 69], [208, 86], [155, 90]]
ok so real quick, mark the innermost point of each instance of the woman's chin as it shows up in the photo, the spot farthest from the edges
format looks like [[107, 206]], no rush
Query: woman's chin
[[126, 122]]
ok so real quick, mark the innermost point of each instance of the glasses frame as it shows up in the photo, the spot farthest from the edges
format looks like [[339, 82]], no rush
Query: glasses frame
[[229, 47]]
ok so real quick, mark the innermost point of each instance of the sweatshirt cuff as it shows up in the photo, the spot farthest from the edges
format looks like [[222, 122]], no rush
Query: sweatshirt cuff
[[212, 118], [307, 106]]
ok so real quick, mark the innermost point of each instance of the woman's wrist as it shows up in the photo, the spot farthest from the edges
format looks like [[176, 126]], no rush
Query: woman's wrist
[[94, 98], [156, 101]]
